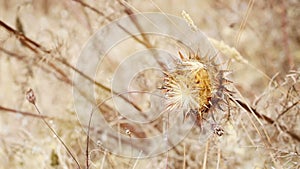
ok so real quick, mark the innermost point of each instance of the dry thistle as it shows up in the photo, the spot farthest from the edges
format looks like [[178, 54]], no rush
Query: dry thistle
[[195, 86]]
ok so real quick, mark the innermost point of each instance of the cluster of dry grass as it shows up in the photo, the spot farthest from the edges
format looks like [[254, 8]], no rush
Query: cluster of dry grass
[[40, 44]]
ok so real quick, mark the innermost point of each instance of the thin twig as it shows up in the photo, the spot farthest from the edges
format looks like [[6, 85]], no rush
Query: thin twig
[[14, 111], [289, 60], [184, 157], [24, 40], [266, 118], [205, 155], [60, 75], [60, 140], [244, 22], [30, 96], [286, 110], [219, 157], [64, 77]]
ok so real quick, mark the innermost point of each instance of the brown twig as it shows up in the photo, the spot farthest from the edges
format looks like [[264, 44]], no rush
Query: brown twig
[[146, 42], [64, 77], [33, 115], [287, 109], [59, 73], [266, 118], [130, 13], [93, 9], [14, 111], [24, 40]]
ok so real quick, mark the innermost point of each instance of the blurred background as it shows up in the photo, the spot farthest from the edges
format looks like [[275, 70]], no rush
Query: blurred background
[[41, 40]]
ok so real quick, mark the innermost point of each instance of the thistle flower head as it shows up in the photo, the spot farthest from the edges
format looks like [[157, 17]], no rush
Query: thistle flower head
[[195, 86]]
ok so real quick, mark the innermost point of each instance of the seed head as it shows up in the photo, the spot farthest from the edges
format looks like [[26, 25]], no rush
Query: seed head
[[195, 86], [218, 130], [30, 96], [128, 132]]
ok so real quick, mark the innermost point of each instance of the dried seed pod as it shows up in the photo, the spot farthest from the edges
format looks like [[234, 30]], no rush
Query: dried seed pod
[[30, 96]]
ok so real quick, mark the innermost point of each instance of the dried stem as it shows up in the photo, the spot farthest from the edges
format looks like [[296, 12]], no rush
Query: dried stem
[[30, 96], [289, 60], [266, 118], [205, 155], [60, 140], [64, 77], [244, 22], [14, 111]]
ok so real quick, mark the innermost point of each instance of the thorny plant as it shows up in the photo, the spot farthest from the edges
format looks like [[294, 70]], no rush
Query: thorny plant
[[196, 86], [271, 123]]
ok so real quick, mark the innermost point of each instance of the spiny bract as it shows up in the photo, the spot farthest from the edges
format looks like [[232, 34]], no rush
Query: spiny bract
[[195, 86]]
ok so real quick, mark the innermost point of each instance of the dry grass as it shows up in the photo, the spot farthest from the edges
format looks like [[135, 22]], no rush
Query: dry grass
[[41, 42]]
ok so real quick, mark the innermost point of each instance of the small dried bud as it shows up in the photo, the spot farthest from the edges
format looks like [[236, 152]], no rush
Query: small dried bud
[[218, 130], [99, 143], [30, 96], [128, 132]]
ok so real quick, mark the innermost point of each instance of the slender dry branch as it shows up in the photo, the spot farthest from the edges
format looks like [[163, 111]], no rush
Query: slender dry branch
[[24, 40], [4, 109], [286, 110], [60, 75], [14, 111], [289, 60], [93, 9], [64, 76], [267, 119], [31, 98], [145, 41]]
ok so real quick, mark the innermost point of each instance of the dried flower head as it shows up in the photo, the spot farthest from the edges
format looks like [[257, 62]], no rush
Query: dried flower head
[[30, 96], [128, 132], [195, 86]]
